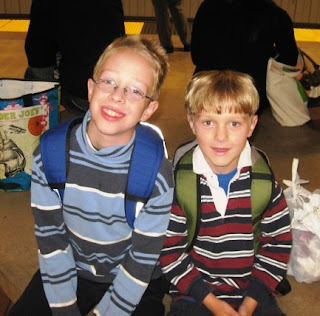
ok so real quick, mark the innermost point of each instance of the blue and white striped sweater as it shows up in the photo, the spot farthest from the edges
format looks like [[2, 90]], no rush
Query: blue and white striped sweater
[[90, 236]]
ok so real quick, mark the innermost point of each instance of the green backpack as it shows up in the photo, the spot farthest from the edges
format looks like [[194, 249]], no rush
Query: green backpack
[[187, 191]]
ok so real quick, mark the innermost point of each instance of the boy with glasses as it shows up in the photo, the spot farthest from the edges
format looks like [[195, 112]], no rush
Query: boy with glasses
[[89, 255]]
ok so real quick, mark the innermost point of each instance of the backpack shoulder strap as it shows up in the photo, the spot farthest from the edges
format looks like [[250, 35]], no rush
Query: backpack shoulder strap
[[181, 150], [147, 155], [187, 193], [262, 184], [54, 149]]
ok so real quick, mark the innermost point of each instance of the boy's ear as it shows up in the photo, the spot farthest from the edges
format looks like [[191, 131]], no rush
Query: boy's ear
[[254, 121], [191, 123], [149, 110], [90, 85]]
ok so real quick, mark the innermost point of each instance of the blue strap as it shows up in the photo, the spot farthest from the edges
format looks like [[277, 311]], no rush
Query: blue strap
[[146, 159], [54, 148]]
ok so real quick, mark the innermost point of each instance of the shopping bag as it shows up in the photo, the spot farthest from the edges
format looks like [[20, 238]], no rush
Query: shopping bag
[[304, 208], [287, 97], [27, 109], [16, 93]]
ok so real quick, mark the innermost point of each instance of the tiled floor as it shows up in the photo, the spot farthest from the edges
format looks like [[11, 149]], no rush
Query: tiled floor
[[18, 255]]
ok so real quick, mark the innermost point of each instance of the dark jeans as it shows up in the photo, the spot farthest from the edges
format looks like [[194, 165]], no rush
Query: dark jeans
[[33, 301], [268, 307]]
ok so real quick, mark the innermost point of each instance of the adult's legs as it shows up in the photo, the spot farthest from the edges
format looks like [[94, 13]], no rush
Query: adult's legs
[[180, 21], [163, 23]]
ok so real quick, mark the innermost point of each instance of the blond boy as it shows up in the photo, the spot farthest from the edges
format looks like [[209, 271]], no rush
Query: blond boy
[[221, 274]]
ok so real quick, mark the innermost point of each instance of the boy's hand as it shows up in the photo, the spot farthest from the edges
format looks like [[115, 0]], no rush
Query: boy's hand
[[248, 306], [218, 307]]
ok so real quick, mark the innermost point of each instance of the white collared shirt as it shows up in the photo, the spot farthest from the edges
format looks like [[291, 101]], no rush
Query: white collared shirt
[[201, 166]]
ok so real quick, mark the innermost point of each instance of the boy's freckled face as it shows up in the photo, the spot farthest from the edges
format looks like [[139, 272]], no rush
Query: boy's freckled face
[[222, 137], [113, 117]]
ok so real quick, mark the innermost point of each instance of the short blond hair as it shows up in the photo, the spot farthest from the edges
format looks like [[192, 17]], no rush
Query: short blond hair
[[221, 91], [151, 50]]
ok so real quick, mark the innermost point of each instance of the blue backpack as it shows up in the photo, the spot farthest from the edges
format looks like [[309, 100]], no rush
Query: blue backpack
[[147, 155]]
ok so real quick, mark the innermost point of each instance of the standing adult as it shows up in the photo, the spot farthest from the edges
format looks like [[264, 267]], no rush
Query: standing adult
[[79, 32], [162, 8], [241, 35]]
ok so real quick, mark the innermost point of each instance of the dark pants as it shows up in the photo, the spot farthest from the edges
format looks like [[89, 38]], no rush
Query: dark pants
[[33, 301], [268, 307]]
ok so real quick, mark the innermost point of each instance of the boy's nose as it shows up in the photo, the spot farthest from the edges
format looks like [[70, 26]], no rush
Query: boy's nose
[[221, 133], [118, 94]]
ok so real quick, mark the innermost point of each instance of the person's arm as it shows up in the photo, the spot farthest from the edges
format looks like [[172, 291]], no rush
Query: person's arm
[[176, 264], [218, 307], [56, 260], [274, 250], [285, 41], [138, 265], [248, 306]]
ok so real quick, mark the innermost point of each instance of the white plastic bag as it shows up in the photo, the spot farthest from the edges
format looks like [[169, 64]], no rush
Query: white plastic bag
[[304, 208], [287, 97]]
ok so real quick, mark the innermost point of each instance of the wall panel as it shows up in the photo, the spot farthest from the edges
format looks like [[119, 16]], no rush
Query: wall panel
[[2, 7], [315, 12], [300, 11], [25, 6], [12, 6]]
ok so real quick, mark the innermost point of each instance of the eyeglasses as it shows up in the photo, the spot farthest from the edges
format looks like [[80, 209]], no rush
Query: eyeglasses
[[131, 93]]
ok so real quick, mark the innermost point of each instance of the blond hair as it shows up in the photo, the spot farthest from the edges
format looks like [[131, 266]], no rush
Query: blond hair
[[221, 91], [151, 50]]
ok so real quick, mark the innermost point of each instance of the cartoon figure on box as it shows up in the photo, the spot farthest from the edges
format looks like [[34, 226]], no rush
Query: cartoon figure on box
[[13, 159]]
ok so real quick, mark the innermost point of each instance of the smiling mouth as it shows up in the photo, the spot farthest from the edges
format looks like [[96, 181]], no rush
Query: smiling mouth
[[112, 113]]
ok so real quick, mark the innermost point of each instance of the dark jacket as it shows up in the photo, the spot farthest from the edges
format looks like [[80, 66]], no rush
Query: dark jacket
[[241, 35], [79, 30]]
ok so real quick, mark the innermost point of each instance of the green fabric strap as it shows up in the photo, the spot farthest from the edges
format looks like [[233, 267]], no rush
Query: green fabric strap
[[261, 191], [186, 193]]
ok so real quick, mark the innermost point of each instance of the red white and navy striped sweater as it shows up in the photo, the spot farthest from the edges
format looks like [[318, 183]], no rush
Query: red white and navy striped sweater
[[222, 259]]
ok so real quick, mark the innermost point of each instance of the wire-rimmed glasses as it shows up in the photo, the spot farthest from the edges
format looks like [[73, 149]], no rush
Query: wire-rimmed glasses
[[131, 93]]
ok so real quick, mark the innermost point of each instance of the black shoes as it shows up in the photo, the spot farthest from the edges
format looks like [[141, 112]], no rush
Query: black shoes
[[169, 49], [187, 48]]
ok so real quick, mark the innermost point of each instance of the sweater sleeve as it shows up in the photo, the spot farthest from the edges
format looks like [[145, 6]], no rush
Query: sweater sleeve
[[141, 260], [176, 264], [57, 266], [275, 243]]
